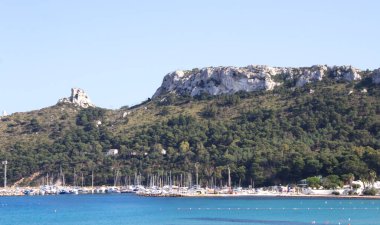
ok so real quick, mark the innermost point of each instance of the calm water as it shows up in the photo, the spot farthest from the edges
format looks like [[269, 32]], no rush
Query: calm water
[[130, 209]]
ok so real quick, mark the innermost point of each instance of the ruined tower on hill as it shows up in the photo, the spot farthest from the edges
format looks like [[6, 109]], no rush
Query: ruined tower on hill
[[78, 97]]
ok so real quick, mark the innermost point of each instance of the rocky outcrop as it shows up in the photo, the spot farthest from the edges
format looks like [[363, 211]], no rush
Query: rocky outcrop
[[226, 80], [218, 80], [376, 76], [347, 73], [78, 97], [315, 73]]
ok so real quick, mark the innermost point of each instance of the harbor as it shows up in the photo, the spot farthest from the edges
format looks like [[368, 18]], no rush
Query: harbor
[[194, 191]]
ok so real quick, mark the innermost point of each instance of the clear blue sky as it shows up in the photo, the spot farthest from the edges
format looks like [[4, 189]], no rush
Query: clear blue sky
[[119, 50]]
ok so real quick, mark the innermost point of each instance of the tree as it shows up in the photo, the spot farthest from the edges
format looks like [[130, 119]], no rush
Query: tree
[[348, 178], [313, 182], [34, 125], [331, 182], [372, 177], [184, 147]]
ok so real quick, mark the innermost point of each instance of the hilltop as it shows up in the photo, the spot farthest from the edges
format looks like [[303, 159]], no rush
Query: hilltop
[[269, 125]]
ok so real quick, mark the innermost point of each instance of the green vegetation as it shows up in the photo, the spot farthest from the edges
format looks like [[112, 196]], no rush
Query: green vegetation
[[332, 182], [269, 138], [370, 191], [314, 182]]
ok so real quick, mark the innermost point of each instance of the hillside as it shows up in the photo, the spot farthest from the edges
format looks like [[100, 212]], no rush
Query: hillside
[[266, 135]]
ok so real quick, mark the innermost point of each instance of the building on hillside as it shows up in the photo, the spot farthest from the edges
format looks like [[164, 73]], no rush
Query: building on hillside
[[112, 152], [4, 114]]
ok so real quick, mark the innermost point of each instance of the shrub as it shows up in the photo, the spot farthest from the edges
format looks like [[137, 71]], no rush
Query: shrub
[[164, 111], [370, 191], [331, 182], [210, 111], [313, 182]]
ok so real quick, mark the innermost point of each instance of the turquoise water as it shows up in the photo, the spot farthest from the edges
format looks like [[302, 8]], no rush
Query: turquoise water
[[130, 209]]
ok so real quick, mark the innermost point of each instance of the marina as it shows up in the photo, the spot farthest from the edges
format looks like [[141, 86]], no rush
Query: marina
[[193, 191]]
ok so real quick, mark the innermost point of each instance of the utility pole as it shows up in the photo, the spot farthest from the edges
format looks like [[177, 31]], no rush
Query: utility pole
[[5, 162]]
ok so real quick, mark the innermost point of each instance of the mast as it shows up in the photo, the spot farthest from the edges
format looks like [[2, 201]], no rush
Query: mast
[[229, 177], [62, 176], [196, 173], [75, 178], [116, 178], [170, 179], [5, 163], [92, 181]]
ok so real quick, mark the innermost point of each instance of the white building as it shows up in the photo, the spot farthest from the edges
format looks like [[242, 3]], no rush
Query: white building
[[112, 152]]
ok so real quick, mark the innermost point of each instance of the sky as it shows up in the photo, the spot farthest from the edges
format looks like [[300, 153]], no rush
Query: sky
[[118, 51]]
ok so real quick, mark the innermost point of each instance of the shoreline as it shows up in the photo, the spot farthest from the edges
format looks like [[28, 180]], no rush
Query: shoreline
[[283, 196], [19, 192], [377, 197], [352, 197]]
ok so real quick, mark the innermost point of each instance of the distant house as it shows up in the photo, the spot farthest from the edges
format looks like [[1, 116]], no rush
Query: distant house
[[112, 152], [302, 183], [4, 114]]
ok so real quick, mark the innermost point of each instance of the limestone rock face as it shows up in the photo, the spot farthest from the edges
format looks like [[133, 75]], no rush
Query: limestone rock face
[[376, 76], [219, 80], [347, 73], [315, 73], [228, 80], [79, 98]]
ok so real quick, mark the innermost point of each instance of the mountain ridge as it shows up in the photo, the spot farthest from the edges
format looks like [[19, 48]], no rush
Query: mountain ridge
[[227, 80], [331, 126]]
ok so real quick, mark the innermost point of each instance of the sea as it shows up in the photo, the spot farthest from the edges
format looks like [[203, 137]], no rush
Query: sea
[[112, 209]]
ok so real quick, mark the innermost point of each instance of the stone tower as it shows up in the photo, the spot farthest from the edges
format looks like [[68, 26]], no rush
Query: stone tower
[[78, 97]]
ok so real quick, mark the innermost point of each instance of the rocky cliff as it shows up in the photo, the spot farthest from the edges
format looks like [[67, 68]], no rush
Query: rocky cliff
[[225, 80], [78, 97], [376, 76]]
